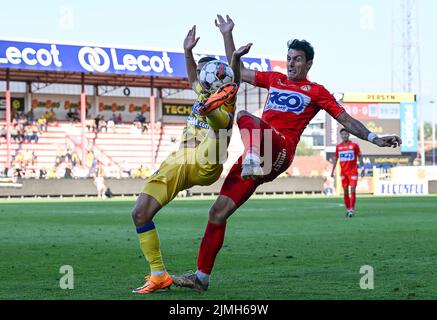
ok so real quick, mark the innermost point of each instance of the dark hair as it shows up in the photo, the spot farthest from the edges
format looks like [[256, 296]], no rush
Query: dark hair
[[206, 59], [302, 45], [343, 130]]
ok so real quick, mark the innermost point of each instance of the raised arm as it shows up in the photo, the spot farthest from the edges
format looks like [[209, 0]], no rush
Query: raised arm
[[189, 43], [236, 61], [226, 27], [356, 128]]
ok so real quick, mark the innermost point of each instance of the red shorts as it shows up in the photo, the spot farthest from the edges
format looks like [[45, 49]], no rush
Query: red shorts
[[349, 180], [278, 160]]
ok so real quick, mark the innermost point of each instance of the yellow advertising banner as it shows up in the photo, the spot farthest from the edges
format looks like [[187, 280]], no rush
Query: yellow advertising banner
[[379, 97], [176, 109]]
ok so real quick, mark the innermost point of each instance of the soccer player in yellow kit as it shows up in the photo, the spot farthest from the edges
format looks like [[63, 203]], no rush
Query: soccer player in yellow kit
[[197, 162]]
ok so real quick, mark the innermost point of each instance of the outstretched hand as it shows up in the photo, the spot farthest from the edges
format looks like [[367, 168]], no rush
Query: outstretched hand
[[224, 25], [388, 141], [191, 40], [243, 50]]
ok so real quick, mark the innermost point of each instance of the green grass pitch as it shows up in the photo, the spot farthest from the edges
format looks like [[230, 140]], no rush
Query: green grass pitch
[[281, 248]]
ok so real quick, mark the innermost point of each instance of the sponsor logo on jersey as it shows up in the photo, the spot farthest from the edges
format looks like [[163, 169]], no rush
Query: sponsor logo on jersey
[[346, 156], [287, 101], [196, 122], [306, 88]]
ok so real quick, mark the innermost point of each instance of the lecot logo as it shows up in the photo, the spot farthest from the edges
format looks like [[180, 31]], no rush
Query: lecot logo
[[95, 59], [287, 101], [32, 57]]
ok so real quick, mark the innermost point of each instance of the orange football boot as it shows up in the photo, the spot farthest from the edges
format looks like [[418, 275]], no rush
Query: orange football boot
[[155, 283], [225, 93]]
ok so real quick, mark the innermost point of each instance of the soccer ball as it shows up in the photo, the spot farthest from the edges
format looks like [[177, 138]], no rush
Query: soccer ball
[[214, 74]]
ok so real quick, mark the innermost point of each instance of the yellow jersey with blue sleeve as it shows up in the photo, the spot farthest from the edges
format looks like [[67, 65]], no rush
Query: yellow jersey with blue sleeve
[[197, 126], [190, 165]]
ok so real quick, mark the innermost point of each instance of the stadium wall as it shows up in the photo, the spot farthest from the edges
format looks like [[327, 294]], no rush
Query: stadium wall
[[70, 188]]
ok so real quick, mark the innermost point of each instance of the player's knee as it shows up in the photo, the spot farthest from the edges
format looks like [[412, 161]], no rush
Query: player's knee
[[140, 216], [242, 113], [218, 215]]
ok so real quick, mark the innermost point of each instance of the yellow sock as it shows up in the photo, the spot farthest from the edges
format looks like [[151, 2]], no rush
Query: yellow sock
[[150, 245], [218, 119]]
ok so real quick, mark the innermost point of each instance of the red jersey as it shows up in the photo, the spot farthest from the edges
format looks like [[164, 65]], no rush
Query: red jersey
[[291, 105], [348, 155]]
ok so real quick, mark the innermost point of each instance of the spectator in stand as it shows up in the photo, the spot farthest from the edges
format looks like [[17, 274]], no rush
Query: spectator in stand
[[52, 173], [119, 119], [141, 118], [14, 133], [75, 159], [35, 133], [91, 125], [145, 173], [3, 132], [42, 124], [73, 115], [111, 126], [31, 135], [90, 158], [68, 155], [30, 116], [68, 172], [103, 125], [21, 133], [43, 173], [51, 115], [114, 118], [97, 122]]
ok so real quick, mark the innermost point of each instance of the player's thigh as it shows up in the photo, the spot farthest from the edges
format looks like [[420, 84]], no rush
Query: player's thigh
[[345, 183], [145, 209], [207, 166], [171, 178], [278, 155]]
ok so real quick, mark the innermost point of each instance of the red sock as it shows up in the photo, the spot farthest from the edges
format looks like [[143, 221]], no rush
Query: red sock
[[211, 244], [353, 200], [347, 201], [250, 131]]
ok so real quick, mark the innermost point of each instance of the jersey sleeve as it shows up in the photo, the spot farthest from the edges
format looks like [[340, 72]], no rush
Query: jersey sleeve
[[336, 152], [327, 102], [264, 79], [197, 88]]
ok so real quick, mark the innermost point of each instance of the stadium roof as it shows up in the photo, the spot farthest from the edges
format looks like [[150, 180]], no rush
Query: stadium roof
[[55, 62]]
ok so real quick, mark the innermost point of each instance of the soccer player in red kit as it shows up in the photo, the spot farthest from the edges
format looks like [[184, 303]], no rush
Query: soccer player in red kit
[[270, 142], [348, 153]]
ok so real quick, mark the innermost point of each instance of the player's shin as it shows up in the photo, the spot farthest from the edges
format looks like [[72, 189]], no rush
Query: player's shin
[[150, 245], [353, 200], [210, 246], [347, 201]]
